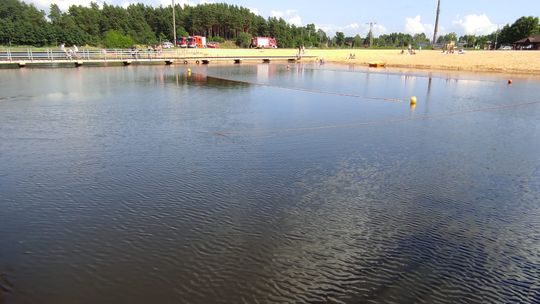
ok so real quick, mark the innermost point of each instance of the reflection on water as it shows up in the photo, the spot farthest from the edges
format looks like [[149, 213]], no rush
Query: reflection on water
[[199, 79], [145, 184]]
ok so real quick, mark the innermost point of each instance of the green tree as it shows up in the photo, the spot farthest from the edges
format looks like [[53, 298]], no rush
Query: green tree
[[340, 39], [322, 37], [181, 32], [115, 39], [88, 20], [357, 41], [7, 31], [420, 40], [521, 28], [243, 40]]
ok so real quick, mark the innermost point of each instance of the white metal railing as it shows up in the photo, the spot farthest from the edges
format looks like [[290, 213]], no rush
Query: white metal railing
[[85, 54]]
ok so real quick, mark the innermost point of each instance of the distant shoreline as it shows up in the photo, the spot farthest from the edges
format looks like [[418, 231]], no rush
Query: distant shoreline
[[510, 62], [500, 62]]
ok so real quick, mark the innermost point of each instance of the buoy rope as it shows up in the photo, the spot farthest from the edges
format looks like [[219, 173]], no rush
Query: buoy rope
[[436, 74], [371, 122], [262, 84]]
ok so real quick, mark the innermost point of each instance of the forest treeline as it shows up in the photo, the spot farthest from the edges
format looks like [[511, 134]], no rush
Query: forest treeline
[[117, 26]]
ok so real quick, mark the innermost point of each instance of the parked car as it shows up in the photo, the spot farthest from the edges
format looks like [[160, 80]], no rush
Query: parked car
[[167, 45], [212, 45], [506, 48]]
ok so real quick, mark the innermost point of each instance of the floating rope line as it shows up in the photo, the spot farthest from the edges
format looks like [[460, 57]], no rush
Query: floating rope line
[[419, 74], [392, 100], [370, 123]]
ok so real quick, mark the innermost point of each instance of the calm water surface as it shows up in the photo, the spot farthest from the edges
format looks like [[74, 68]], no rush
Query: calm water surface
[[258, 184]]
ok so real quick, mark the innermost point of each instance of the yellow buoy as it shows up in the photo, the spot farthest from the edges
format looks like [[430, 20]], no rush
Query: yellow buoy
[[413, 100]]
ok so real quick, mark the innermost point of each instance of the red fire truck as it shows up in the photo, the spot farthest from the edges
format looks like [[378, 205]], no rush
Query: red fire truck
[[196, 42], [181, 42], [263, 42]]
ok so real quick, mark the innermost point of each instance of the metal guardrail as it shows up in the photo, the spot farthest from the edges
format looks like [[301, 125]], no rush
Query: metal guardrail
[[126, 56], [30, 55]]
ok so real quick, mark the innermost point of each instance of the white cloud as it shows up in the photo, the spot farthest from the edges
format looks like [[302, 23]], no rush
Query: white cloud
[[352, 26], [277, 14], [296, 20], [290, 15], [254, 10], [353, 29], [476, 24], [62, 4], [378, 29], [125, 4], [415, 26]]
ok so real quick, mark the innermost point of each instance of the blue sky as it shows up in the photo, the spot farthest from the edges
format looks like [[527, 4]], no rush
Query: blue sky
[[351, 16]]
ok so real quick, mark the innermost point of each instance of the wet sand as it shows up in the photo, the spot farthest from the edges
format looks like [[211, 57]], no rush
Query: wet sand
[[524, 62]]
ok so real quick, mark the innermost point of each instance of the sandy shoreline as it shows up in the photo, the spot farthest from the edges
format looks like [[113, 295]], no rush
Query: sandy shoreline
[[512, 62], [500, 62]]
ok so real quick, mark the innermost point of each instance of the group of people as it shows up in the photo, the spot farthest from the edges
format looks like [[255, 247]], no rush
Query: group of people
[[410, 51], [156, 49], [70, 52]]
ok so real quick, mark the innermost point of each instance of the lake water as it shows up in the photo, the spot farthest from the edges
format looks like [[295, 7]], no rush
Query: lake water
[[262, 184]]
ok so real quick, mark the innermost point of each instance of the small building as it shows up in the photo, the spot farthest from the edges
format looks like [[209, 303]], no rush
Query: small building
[[529, 43]]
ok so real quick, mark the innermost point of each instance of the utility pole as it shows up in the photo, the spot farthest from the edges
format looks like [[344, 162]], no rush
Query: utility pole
[[496, 37], [371, 24], [436, 22], [174, 23]]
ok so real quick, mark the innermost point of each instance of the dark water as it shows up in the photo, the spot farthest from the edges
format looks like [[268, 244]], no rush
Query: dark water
[[143, 185]]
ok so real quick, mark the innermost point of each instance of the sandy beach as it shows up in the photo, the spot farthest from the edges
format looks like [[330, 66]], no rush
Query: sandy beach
[[521, 62]]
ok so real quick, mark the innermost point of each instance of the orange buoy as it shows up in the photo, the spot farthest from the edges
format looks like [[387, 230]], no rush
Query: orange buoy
[[509, 81]]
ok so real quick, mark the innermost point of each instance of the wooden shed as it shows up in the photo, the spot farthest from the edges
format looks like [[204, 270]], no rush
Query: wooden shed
[[529, 43]]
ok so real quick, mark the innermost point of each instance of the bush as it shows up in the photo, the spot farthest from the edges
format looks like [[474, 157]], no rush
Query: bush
[[217, 39], [115, 39], [243, 40], [228, 45]]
